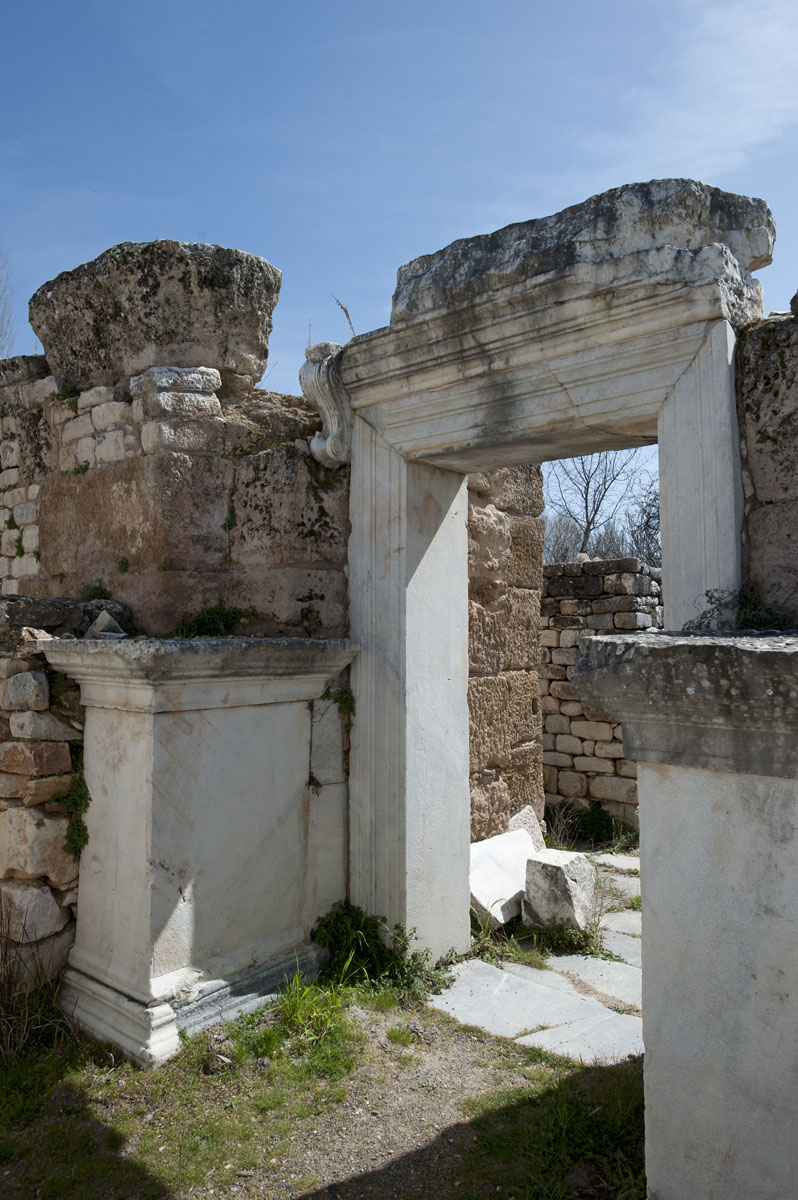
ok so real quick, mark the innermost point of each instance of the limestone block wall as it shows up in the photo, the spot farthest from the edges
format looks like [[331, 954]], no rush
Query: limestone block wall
[[583, 753], [505, 547], [766, 373], [40, 740], [172, 494]]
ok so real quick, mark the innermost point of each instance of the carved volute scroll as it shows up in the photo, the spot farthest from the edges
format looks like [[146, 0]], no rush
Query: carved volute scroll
[[320, 379]]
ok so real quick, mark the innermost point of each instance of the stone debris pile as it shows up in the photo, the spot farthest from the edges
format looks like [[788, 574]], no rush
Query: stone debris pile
[[514, 874]]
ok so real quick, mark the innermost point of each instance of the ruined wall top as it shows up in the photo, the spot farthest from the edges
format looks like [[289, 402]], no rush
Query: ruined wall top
[[145, 304], [679, 213]]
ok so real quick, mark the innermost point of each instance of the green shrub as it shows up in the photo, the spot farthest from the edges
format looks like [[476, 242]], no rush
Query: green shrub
[[365, 951]]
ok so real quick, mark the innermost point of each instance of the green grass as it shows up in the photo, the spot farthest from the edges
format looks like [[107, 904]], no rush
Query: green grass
[[77, 1122], [399, 1035], [572, 828], [516, 942], [574, 1132], [216, 621]]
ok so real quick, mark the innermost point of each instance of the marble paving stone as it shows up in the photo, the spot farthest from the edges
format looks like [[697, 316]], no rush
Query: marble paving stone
[[549, 979], [627, 921], [506, 1006], [604, 1038], [618, 862], [629, 948], [617, 980], [627, 885]]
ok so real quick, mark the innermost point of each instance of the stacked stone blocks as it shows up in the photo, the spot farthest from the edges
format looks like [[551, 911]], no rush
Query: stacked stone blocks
[[583, 754], [38, 878], [505, 542], [174, 487]]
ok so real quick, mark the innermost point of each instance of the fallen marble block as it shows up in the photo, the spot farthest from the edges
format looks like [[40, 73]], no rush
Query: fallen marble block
[[498, 875], [560, 890], [526, 819]]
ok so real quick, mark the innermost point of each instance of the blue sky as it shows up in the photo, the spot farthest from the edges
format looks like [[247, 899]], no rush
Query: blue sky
[[338, 141]]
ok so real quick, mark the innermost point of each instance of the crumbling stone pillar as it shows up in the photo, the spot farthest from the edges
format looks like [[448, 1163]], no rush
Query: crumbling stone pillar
[[141, 461]]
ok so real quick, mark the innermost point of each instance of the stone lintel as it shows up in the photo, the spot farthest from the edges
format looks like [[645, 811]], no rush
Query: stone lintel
[[717, 701], [555, 337], [169, 675], [625, 220], [567, 366]]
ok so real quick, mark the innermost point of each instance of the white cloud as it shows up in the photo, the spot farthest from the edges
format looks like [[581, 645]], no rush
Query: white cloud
[[728, 91]]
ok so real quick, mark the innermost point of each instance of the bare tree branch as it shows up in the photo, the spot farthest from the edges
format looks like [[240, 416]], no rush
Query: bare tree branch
[[641, 526], [591, 491]]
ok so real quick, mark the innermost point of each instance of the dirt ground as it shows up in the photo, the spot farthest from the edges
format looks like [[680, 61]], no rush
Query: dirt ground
[[402, 1130]]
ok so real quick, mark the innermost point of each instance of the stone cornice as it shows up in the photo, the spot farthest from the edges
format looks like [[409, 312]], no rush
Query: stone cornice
[[154, 675], [320, 380], [710, 700], [586, 356]]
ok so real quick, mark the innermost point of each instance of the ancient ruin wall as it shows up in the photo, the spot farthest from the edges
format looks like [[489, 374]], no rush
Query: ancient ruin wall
[[766, 372], [41, 733], [583, 754], [163, 490], [172, 488], [172, 495], [505, 548]]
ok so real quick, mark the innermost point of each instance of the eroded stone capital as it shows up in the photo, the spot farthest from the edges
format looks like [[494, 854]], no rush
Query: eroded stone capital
[[145, 304], [718, 701], [320, 380]]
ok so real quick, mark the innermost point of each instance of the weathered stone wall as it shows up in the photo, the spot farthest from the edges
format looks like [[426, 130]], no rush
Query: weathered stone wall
[[766, 370], [583, 753], [505, 555], [140, 465], [40, 738], [241, 516], [143, 465], [172, 495]]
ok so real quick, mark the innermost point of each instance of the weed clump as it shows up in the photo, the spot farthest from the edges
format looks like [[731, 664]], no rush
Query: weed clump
[[569, 828], [368, 953], [76, 802], [96, 591], [216, 621]]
